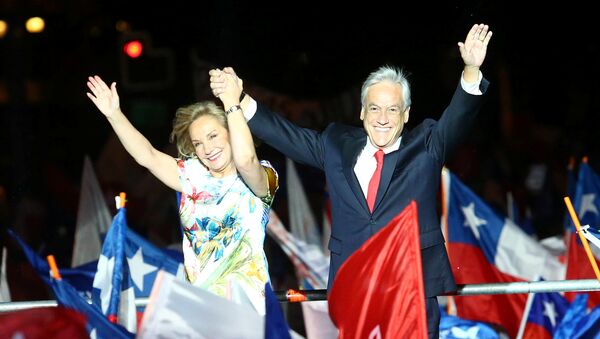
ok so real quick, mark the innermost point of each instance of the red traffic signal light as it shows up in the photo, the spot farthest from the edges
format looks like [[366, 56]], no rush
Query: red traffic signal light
[[143, 66], [133, 48]]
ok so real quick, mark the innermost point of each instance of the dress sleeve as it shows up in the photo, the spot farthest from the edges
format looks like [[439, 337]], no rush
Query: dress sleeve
[[272, 181]]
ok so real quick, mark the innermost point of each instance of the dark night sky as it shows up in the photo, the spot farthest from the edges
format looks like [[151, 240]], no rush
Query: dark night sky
[[543, 63]]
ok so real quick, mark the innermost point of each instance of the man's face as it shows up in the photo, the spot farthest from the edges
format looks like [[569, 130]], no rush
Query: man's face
[[382, 114]]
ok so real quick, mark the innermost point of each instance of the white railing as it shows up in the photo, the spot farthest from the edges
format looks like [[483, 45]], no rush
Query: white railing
[[583, 285]]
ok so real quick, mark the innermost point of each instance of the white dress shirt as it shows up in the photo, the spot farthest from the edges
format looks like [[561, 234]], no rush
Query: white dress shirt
[[366, 164]]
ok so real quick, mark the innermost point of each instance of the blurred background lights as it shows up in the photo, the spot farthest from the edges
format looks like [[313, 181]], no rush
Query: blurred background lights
[[35, 25], [133, 48], [122, 26], [3, 28]]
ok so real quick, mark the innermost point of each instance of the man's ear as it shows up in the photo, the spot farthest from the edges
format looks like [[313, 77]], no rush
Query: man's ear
[[362, 113], [406, 114]]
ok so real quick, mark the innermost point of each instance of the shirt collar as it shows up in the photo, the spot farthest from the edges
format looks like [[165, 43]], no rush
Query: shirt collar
[[372, 149]]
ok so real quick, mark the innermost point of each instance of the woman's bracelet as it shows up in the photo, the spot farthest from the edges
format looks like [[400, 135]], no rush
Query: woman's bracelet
[[233, 109]]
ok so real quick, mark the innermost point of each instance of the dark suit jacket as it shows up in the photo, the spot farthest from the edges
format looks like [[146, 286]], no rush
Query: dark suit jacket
[[411, 173]]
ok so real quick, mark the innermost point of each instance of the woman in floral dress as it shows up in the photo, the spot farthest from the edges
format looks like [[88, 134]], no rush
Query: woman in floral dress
[[226, 191]]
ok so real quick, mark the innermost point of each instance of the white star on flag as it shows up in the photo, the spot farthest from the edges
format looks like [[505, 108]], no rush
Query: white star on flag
[[587, 205], [103, 282], [138, 268], [471, 219], [470, 333], [550, 312]]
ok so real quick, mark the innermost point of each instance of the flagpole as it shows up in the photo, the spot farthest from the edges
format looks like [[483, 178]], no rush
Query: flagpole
[[581, 285], [53, 267], [525, 315], [584, 241], [445, 190]]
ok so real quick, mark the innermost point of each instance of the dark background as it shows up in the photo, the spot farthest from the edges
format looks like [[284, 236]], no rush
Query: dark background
[[543, 106]]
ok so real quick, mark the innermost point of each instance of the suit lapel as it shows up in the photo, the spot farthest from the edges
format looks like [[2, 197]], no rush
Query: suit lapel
[[350, 152], [389, 164]]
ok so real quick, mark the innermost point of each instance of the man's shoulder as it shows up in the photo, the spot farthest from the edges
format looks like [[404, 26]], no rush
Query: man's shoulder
[[423, 126]]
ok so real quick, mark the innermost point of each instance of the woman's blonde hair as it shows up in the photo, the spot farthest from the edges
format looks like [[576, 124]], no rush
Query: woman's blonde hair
[[185, 116]]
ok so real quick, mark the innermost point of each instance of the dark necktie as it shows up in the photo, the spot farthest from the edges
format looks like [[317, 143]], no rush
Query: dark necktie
[[374, 183]]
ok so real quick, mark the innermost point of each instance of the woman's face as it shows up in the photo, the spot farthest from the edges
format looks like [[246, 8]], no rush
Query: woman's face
[[211, 144]]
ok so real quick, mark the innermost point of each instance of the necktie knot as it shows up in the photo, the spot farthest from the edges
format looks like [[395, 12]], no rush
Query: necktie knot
[[379, 156]]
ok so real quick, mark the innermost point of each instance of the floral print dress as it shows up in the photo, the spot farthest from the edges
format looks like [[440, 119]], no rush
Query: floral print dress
[[224, 230]]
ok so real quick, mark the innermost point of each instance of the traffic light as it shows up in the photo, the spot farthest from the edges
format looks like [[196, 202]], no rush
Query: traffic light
[[133, 48], [144, 67]]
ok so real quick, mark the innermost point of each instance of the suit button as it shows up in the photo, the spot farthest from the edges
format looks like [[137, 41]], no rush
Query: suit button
[[372, 222]]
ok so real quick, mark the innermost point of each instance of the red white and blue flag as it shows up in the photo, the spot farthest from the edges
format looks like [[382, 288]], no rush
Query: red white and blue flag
[[113, 287], [73, 297], [543, 313], [98, 325], [485, 247], [586, 203], [127, 269]]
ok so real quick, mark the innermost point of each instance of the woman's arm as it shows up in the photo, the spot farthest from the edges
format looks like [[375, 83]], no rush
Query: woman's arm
[[242, 145], [162, 165]]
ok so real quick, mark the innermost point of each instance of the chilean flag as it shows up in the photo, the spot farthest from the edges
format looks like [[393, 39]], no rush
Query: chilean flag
[[485, 247], [543, 314], [97, 324], [113, 290], [587, 205], [127, 268]]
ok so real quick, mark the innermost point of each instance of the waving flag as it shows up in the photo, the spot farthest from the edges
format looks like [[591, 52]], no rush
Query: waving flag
[[485, 247], [587, 327], [66, 294], [113, 287], [307, 259], [587, 205], [452, 327], [303, 224], [4, 289], [543, 313], [307, 238], [587, 196], [577, 323], [388, 300], [512, 211], [145, 260], [571, 186], [97, 324], [178, 309], [143, 257], [81, 277], [275, 325], [93, 218], [131, 262]]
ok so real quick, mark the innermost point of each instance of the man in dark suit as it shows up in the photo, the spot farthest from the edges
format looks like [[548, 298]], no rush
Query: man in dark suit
[[411, 164]]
